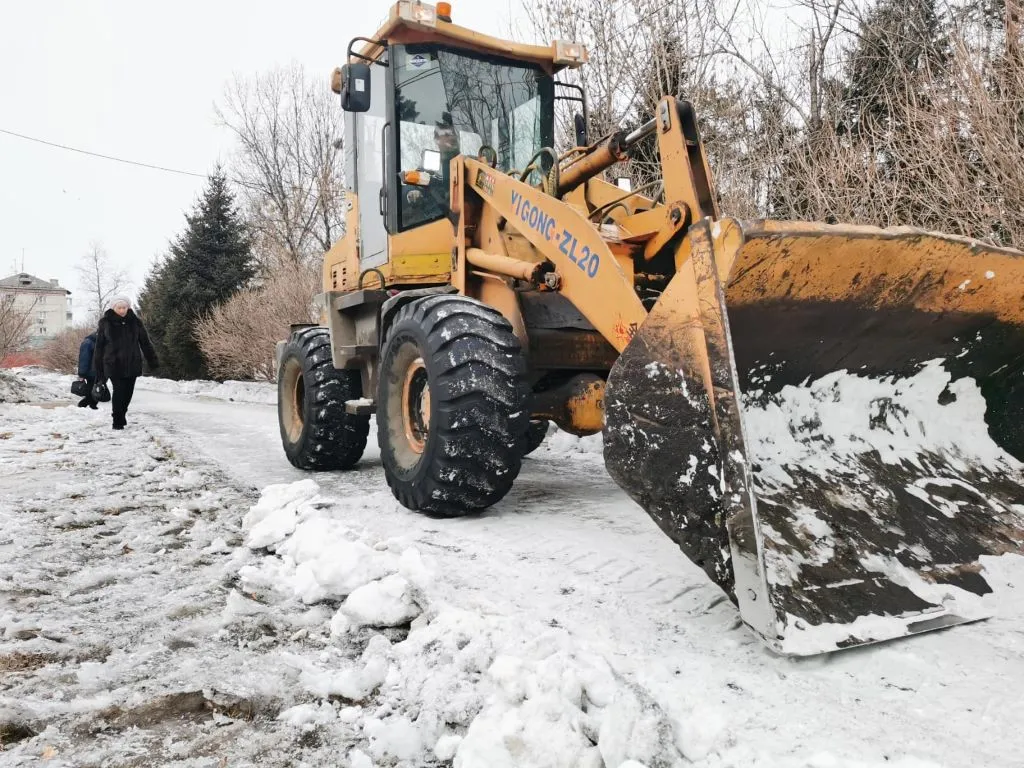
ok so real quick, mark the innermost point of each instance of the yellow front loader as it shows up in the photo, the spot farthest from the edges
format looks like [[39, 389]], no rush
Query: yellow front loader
[[487, 284]]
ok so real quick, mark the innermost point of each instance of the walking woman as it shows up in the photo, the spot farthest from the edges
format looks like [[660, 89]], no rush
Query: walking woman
[[121, 341]]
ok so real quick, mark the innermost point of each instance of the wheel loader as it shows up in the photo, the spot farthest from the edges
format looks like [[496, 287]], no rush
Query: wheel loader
[[487, 284]]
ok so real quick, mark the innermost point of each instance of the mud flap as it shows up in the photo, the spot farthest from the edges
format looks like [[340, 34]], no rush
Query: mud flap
[[716, 424]]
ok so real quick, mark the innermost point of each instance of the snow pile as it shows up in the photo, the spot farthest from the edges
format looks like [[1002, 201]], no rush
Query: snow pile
[[30, 384], [263, 392], [45, 385], [435, 682], [142, 620], [559, 442], [15, 389], [404, 677]]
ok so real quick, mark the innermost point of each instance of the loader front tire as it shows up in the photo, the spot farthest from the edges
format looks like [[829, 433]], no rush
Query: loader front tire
[[316, 432], [451, 406]]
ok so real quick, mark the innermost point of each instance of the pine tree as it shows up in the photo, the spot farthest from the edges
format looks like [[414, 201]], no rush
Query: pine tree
[[209, 262]]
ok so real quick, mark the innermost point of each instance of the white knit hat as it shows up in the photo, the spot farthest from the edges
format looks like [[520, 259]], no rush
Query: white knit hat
[[114, 300]]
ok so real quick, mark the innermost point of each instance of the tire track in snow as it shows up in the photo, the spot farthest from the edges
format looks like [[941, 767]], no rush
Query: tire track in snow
[[565, 523]]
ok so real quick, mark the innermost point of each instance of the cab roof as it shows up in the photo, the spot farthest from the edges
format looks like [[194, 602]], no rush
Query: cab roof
[[416, 22]]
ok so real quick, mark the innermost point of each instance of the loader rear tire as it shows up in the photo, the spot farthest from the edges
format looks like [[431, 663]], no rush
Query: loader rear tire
[[316, 432], [451, 406]]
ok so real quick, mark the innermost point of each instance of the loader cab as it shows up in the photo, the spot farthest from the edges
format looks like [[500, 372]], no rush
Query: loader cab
[[427, 104], [446, 102]]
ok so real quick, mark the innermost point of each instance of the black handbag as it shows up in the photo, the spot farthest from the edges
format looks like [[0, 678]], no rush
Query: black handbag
[[80, 387], [100, 393]]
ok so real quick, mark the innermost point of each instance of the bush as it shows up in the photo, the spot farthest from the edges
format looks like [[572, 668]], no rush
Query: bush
[[237, 338], [61, 352]]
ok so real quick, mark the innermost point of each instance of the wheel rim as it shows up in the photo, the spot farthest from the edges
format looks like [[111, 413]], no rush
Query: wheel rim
[[293, 405], [416, 406]]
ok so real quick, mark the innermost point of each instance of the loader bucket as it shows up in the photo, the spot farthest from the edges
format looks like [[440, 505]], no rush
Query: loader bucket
[[829, 420]]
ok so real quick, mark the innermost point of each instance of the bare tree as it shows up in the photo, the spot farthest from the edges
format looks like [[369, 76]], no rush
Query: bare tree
[[15, 323], [61, 352], [641, 50], [100, 279], [863, 111], [288, 162], [949, 159]]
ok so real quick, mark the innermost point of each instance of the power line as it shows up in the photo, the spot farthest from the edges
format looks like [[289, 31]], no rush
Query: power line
[[115, 159], [105, 157]]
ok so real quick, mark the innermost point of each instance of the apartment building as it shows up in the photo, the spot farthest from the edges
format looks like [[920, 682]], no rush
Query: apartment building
[[48, 304]]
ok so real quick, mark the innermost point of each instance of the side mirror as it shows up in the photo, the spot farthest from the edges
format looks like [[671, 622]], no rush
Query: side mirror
[[624, 183], [355, 87], [431, 160], [581, 129]]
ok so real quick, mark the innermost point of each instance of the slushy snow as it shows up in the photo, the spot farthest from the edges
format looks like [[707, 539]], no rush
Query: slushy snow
[[177, 595]]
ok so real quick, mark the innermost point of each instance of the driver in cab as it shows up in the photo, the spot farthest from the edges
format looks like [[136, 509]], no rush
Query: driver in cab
[[429, 199]]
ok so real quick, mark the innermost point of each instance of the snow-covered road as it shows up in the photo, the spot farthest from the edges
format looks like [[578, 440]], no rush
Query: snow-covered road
[[224, 633]]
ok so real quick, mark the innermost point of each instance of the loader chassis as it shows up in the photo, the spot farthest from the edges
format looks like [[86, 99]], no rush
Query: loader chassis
[[419, 249], [485, 285]]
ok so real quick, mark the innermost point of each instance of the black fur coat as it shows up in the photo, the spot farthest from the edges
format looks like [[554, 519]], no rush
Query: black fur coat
[[120, 344]]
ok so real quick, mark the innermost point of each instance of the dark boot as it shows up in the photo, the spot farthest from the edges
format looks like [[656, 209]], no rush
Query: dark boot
[[121, 398]]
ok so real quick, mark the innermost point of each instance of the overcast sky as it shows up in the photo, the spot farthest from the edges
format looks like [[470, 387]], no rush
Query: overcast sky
[[138, 80]]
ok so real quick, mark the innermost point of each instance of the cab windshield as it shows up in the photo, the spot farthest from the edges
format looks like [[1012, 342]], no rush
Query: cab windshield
[[451, 102]]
